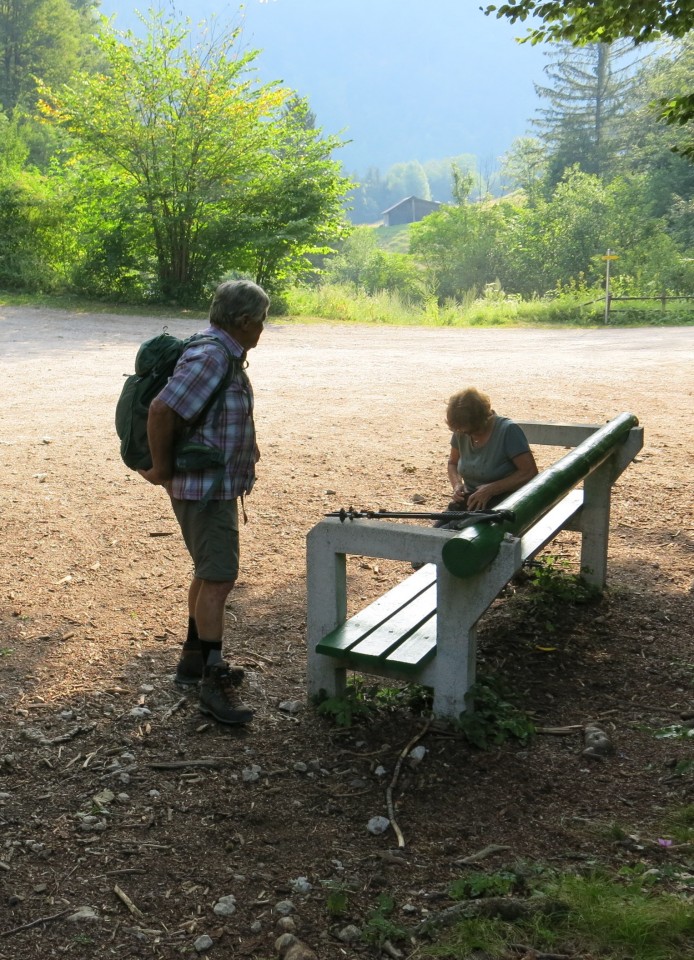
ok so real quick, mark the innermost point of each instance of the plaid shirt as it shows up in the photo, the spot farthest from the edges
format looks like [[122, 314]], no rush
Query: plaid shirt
[[228, 426]]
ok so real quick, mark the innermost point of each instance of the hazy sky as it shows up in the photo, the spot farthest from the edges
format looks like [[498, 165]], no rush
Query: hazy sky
[[401, 79]]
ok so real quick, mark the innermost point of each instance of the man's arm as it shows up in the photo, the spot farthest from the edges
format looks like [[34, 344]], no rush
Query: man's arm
[[163, 425]]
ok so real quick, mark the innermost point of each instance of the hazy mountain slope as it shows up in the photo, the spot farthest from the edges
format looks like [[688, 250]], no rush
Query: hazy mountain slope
[[402, 79]]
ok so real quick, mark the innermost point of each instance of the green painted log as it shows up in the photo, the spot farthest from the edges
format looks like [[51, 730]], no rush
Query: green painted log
[[475, 547]]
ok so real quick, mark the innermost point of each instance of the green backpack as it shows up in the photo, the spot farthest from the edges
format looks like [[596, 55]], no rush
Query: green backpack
[[154, 365]]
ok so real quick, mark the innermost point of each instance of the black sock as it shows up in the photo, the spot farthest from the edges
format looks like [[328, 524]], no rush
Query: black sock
[[192, 640], [211, 652]]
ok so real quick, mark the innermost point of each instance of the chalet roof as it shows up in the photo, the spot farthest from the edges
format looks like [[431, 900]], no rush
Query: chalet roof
[[431, 203]]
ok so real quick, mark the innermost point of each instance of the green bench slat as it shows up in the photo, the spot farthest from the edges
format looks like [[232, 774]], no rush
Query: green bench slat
[[344, 637], [381, 641], [417, 649]]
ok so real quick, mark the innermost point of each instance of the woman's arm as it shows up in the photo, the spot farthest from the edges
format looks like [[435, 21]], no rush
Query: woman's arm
[[454, 476], [526, 469]]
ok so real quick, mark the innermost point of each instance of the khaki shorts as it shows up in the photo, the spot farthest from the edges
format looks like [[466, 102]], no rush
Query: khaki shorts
[[211, 536]]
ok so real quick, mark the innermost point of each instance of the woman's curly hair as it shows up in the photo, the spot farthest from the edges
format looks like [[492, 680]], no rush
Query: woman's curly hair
[[468, 411]]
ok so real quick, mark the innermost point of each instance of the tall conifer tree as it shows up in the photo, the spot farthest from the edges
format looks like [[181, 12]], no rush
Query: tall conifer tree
[[586, 102]]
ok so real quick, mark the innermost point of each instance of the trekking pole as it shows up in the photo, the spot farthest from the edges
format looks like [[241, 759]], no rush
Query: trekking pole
[[454, 517]]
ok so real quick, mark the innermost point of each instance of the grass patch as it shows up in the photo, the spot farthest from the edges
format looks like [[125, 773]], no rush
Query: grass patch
[[493, 721], [393, 239], [340, 303], [551, 580], [362, 701], [679, 824], [601, 917]]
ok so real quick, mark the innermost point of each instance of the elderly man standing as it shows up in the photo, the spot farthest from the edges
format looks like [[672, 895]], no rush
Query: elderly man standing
[[205, 497]]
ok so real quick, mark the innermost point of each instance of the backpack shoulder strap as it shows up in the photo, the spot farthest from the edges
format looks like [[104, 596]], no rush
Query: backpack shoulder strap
[[234, 366]]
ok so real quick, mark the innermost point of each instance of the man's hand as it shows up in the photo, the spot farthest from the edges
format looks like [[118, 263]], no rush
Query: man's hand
[[162, 426], [156, 478]]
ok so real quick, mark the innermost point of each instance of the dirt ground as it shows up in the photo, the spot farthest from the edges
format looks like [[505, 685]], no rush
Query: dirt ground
[[92, 613]]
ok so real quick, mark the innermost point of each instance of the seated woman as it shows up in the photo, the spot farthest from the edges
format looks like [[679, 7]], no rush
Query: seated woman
[[490, 456]]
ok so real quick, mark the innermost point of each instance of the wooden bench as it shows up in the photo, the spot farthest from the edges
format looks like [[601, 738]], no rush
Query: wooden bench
[[424, 629]]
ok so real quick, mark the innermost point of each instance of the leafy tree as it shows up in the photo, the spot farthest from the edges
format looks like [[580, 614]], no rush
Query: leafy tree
[[351, 263], [27, 216], [106, 251], [361, 263], [680, 222], [13, 150], [563, 238], [600, 21], [462, 246], [652, 148], [368, 198], [440, 174], [525, 166], [432, 180], [395, 273], [587, 100], [187, 136], [463, 181], [40, 38], [556, 241], [48, 39], [294, 205], [29, 225]]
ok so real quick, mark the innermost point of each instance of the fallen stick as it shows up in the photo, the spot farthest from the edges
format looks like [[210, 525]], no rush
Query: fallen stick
[[560, 731], [529, 951], [177, 706], [396, 773], [508, 909], [35, 737], [481, 854], [34, 923], [182, 764], [124, 898]]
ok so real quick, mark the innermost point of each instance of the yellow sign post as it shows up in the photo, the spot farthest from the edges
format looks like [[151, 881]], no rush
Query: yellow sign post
[[607, 258]]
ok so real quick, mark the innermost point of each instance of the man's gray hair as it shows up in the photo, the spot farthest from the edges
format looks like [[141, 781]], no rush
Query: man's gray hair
[[235, 299]]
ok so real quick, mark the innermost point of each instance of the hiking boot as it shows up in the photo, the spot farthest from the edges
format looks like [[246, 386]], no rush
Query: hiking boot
[[189, 669], [218, 696]]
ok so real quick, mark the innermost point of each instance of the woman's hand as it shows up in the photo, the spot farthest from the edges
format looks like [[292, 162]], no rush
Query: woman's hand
[[459, 494], [479, 499]]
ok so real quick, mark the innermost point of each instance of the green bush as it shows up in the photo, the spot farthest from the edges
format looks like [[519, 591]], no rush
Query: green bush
[[25, 248]]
